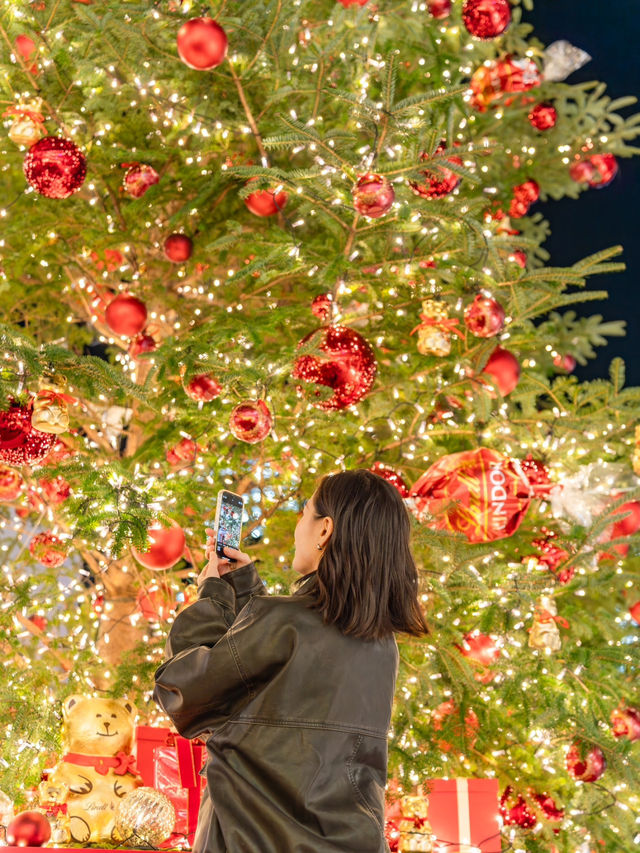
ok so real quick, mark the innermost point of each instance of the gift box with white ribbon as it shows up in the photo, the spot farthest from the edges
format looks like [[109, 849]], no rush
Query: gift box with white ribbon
[[463, 815]]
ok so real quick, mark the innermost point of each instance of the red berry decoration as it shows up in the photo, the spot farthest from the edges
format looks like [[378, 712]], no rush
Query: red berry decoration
[[321, 306], [56, 491], [265, 202], [543, 116], [441, 181], [565, 363], [373, 195], [439, 9], [11, 484], [48, 549], [126, 315], [486, 19], [166, 547], [626, 723], [20, 442], [203, 388], [587, 764], [28, 829], [141, 343], [202, 44], [138, 178], [634, 610], [348, 366], [392, 477], [178, 248], [251, 421], [504, 369], [55, 167], [484, 317]]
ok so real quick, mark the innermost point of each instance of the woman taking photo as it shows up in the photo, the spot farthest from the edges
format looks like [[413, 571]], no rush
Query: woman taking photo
[[293, 693]]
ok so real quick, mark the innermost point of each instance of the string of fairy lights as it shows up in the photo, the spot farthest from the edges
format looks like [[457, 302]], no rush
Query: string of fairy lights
[[193, 127]]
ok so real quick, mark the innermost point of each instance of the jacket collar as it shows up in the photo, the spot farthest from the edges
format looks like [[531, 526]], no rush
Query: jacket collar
[[302, 584]]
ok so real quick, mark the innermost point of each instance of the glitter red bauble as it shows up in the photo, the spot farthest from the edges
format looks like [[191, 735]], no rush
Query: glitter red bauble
[[504, 369], [502, 76], [20, 442], [251, 421], [11, 484], [480, 493], [626, 723], [543, 116], [585, 763], [203, 388], [185, 450], [634, 610], [440, 181], [202, 44], [56, 491], [137, 179], [265, 202], [392, 477], [48, 549], [321, 306], [447, 717], [166, 547], [598, 170], [178, 248], [515, 811], [529, 191], [55, 167], [566, 363], [484, 317], [373, 195], [28, 829], [348, 366], [439, 8], [126, 315], [141, 343], [486, 19]]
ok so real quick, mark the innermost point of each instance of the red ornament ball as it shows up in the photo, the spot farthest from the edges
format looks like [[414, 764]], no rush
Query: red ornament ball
[[265, 202], [203, 388], [585, 763], [156, 602], [348, 366], [202, 44], [185, 450], [543, 116], [55, 167], [484, 317], [178, 248], [251, 421], [548, 807], [598, 170], [529, 191], [447, 717], [504, 369], [392, 477], [321, 306], [126, 315], [502, 76], [480, 648], [141, 343], [565, 363], [515, 811], [581, 171], [138, 178], [11, 484], [20, 443], [439, 9], [28, 829], [440, 181], [486, 19], [373, 195], [519, 257], [166, 547], [634, 610], [626, 723], [48, 549], [56, 491]]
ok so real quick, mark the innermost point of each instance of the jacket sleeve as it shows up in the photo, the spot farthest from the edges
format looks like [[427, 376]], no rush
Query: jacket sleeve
[[246, 582], [217, 661]]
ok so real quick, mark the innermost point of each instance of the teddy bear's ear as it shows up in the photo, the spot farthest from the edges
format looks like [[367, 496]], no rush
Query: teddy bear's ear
[[129, 707], [69, 703]]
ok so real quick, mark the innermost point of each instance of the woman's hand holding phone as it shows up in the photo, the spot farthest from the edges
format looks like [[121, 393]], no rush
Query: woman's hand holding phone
[[216, 566]]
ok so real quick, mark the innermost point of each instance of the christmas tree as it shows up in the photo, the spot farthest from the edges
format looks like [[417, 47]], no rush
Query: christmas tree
[[247, 245]]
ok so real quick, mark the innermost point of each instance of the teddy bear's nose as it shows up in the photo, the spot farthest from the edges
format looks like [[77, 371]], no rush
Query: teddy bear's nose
[[106, 725]]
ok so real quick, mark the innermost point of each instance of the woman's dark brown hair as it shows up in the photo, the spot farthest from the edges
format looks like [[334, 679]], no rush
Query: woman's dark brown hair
[[367, 581]]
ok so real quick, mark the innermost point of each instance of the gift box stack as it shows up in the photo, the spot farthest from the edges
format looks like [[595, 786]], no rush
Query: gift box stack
[[172, 764]]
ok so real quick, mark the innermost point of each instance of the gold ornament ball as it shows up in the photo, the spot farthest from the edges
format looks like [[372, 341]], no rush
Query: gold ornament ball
[[145, 815]]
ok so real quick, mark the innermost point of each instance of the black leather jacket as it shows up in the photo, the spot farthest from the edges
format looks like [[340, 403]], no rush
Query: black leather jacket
[[295, 716]]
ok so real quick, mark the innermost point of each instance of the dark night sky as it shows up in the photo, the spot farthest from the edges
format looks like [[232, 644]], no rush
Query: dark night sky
[[610, 33]]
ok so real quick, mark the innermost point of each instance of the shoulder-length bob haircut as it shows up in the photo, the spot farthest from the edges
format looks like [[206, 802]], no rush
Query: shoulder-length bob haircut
[[367, 581]]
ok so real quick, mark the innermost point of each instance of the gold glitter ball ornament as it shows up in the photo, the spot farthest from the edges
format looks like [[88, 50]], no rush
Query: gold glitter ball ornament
[[144, 816]]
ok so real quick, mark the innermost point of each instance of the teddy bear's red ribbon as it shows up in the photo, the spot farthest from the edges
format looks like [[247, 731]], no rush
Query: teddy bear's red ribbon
[[121, 762]]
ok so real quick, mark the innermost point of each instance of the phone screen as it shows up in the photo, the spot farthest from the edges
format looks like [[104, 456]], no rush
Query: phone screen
[[229, 517]]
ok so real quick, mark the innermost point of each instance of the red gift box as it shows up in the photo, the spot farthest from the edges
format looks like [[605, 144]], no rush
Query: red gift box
[[171, 764], [463, 815]]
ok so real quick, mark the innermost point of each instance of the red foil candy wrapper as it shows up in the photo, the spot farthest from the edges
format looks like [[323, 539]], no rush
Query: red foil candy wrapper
[[55, 167], [480, 493], [348, 366]]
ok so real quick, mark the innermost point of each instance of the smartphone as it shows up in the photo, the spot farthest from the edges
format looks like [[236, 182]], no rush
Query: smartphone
[[228, 524]]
